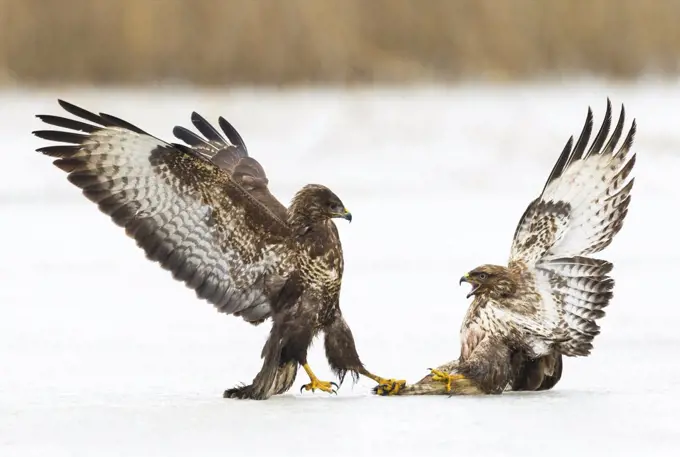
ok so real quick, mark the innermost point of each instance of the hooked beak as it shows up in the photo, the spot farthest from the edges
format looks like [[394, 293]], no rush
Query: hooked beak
[[468, 279], [345, 214]]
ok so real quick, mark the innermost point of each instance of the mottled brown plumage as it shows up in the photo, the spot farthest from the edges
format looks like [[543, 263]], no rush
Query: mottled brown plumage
[[546, 302], [204, 212]]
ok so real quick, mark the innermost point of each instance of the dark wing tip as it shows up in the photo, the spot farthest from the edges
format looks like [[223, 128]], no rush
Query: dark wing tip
[[195, 117], [82, 113], [601, 136], [633, 127], [189, 137], [179, 132], [569, 155], [206, 128], [628, 142], [233, 135], [583, 139], [60, 136], [45, 134], [561, 163], [616, 135], [609, 108], [70, 107], [118, 122]]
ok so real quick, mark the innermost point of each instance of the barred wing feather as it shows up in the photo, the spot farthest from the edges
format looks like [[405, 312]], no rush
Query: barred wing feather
[[585, 200], [184, 211], [582, 207]]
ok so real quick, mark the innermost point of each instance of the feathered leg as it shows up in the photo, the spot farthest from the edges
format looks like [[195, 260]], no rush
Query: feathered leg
[[342, 356], [443, 380], [296, 339], [486, 371], [276, 376], [264, 386], [488, 368], [286, 348]]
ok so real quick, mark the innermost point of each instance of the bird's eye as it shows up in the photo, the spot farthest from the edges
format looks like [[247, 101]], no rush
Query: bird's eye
[[482, 276]]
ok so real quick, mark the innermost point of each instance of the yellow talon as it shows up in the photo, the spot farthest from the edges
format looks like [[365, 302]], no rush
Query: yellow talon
[[389, 386], [446, 378], [326, 386], [317, 384]]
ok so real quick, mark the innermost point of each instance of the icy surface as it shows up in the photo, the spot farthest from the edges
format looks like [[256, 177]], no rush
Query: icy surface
[[103, 354]]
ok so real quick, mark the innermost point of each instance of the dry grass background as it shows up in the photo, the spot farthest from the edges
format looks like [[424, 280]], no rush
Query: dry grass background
[[214, 42]]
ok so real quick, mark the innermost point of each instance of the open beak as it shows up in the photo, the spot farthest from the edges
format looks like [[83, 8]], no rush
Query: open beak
[[468, 279], [345, 214]]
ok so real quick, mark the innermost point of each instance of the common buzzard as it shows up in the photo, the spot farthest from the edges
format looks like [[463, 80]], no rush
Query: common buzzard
[[204, 212], [546, 302]]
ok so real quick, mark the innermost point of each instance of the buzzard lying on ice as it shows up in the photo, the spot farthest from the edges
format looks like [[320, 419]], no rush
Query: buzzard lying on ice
[[205, 213], [548, 299]]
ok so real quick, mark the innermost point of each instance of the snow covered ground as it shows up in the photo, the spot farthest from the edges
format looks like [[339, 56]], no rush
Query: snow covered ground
[[103, 354]]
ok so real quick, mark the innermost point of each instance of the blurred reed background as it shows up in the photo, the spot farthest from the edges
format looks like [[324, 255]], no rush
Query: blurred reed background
[[281, 42]]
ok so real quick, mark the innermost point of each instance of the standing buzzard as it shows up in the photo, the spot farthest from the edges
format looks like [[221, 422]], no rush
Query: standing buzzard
[[205, 213], [546, 302]]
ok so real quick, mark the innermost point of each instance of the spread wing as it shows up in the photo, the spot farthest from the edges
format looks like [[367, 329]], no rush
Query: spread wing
[[585, 199], [231, 155], [582, 207], [183, 210]]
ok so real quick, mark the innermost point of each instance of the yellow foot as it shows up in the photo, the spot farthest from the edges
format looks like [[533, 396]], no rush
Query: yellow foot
[[330, 387], [316, 384], [446, 378], [389, 386]]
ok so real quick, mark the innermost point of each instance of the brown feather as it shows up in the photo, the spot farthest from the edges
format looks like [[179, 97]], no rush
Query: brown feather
[[546, 302], [204, 212]]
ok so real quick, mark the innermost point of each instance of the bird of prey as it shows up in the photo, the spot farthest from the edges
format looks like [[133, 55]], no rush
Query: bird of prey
[[546, 302], [203, 211]]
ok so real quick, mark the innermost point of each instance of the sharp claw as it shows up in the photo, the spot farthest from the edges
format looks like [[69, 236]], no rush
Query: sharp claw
[[386, 389], [311, 386]]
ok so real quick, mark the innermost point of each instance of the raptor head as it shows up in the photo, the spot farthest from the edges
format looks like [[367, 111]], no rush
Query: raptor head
[[316, 203], [493, 280]]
